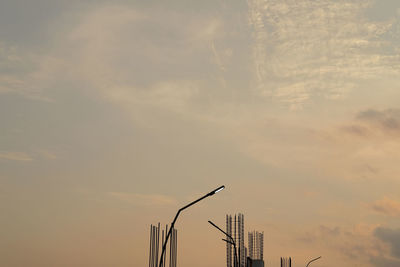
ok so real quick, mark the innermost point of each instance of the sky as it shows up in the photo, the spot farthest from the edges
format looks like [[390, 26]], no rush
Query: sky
[[114, 114]]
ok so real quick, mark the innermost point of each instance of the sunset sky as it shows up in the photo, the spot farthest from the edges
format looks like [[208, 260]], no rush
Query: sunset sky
[[114, 114]]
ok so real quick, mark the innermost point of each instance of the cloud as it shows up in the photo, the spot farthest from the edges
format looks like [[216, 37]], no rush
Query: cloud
[[391, 237], [387, 206], [311, 49], [140, 59], [385, 262], [24, 73], [374, 123], [386, 120], [15, 156], [145, 56], [365, 146], [323, 232], [46, 154], [349, 245], [12, 65], [356, 130], [143, 199]]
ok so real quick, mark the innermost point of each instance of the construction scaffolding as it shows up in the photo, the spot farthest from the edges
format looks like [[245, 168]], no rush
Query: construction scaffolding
[[238, 236], [256, 245], [229, 247], [155, 246], [286, 262]]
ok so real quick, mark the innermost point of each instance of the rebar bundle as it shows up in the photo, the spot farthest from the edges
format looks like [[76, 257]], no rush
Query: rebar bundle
[[155, 246]]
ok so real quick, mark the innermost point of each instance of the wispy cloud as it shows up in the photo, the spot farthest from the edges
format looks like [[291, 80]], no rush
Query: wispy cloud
[[23, 73], [15, 156], [307, 49], [387, 206], [47, 154], [143, 199]]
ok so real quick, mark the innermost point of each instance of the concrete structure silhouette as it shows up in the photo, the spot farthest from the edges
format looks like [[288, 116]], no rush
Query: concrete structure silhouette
[[256, 245], [155, 246], [254, 263], [236, 230], [286, 262], [253, 255]]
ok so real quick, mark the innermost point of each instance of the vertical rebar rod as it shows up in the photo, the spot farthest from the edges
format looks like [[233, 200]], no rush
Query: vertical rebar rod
[[150, 264], [158, 241], [152, 246], [165, 255], [170, 252], [162, 236], [173, 248], [155, 244], [176, 247]]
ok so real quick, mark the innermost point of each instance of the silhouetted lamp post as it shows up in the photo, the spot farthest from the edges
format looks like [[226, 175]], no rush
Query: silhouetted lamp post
[[313, 260], [235, 264], [232, 241], [176, 217]]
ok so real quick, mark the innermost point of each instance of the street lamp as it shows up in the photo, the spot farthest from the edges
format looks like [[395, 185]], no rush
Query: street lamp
[[313, 260], [232, 241], [176, 217], [234, 246]]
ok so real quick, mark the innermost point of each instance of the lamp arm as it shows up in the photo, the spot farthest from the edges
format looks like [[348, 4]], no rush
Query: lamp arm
[[176, 217], [168, 235], [221, 231], [313, 260]]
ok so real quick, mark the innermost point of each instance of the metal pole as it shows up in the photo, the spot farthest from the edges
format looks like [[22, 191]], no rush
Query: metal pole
[[170, 250], [157, 242], [177, 214], [176, 248], [232, 240], [235, 255], [153, 245], [165, 255], [313, 260], [150, 247]]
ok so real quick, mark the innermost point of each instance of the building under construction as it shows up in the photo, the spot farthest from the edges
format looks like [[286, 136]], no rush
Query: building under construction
[[286, 262], [156, 246], [235, 228], [256, 249], [253, 255], [256, 245]]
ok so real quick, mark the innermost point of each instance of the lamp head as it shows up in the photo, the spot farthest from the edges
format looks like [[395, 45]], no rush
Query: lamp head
[[217, 190]]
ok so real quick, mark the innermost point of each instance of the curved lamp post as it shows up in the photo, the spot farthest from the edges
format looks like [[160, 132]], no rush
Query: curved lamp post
[[176, 217], [313, 260], [232, 241]]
